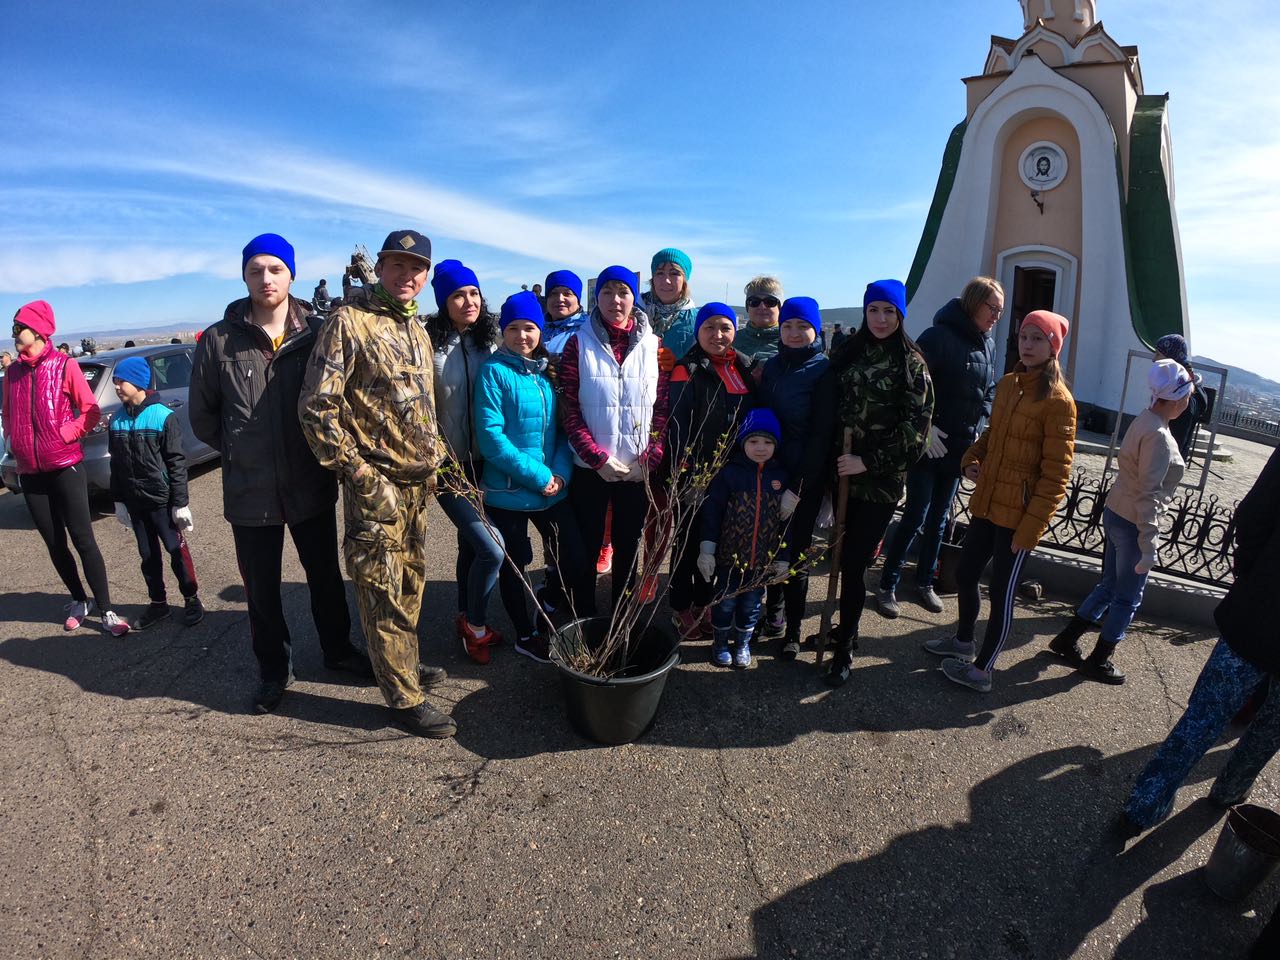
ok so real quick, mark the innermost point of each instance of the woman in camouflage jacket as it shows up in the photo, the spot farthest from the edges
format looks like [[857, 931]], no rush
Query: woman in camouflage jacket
[[885, 397]]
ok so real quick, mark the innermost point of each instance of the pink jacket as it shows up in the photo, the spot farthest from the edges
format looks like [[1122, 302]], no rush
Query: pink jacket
[[40, 401]]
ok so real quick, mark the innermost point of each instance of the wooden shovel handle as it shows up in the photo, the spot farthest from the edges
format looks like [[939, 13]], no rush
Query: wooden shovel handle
[[833, 580]]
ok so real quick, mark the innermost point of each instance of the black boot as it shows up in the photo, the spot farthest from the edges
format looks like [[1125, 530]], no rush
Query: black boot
[[1066, 644], [1098, 665], [841, 665]]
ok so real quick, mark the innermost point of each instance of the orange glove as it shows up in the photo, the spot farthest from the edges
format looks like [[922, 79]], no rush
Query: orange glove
[[666, 359]]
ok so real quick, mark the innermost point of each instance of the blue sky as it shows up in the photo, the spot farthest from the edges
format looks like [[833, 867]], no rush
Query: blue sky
[[141, 145]]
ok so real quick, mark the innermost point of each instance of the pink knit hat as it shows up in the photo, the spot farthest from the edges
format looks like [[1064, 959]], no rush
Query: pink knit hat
[[1053, 325], [37, 315]]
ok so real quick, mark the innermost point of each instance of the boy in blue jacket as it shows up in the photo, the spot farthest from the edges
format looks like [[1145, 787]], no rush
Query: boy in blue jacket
[[742, 537], [149, 486]]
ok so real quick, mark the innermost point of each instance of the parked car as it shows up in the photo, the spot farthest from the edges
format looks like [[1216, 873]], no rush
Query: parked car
[[170, 377]]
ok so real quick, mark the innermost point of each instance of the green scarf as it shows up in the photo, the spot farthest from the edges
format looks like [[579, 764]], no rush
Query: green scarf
[[407, 310]]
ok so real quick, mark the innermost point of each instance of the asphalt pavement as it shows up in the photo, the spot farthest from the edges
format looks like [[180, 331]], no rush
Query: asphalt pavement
[[148, 813]]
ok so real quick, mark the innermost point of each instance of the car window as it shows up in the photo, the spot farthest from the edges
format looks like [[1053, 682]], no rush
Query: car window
[[172, 370], [93, 374]]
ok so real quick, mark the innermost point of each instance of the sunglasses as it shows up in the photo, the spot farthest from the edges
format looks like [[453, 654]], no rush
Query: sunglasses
[[770, 302], [17, 329]]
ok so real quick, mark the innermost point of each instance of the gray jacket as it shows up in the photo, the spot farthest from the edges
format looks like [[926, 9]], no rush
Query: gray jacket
[[244, 402], [458, 359]]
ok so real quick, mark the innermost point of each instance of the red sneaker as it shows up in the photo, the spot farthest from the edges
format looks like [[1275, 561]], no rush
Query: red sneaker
[[687, 625], [476, 645], [649, 588], [605, 562]]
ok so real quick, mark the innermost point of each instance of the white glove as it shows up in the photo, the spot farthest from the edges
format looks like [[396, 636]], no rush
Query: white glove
[[612, 470], [826, 513], [122, 514], [789, 503], [779, 569], [936, 447], [182, 519], [707, 561]]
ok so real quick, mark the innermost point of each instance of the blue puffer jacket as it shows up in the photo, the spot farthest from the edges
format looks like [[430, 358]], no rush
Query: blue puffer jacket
[[963, 367], [796, 386], [518, 433]]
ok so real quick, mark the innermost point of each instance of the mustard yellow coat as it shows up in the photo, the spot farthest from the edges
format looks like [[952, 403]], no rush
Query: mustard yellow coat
[[1025, 457]]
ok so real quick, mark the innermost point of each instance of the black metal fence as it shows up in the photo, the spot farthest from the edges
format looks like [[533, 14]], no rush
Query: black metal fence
[[1196, 532]]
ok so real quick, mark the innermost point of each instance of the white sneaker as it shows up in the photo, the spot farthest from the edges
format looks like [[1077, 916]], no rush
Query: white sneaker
[[77, 610], [951, 647], [114, 624]]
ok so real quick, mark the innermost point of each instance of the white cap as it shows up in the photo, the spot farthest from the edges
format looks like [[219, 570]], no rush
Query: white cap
[[1168, 380]]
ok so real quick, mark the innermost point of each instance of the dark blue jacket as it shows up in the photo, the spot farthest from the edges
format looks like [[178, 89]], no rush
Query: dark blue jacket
[[962, 363], [1246, 616], [742, 514], [798, 388], [148, 469]]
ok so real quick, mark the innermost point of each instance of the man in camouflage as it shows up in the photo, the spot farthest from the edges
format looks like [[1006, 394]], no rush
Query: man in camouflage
[[368, 411]]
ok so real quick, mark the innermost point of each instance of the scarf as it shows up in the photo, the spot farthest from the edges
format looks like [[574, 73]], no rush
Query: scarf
[[662, 315], [406, 310]]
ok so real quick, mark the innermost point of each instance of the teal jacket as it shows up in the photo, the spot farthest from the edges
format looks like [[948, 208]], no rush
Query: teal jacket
[[518, 433]]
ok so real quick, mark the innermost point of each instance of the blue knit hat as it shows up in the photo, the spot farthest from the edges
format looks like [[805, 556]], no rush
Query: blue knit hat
[[563, 278], [624, 274], [802, 308], [890, 291], [521, 306], [672, 255], [1174, 346], [451, 275], [714, 309], [760, 420], [133, 370], [272, 243]]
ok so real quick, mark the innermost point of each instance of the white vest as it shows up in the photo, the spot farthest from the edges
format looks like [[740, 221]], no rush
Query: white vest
[[617, 401]]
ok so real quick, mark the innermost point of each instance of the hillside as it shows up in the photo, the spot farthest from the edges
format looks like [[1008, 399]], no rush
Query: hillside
[[1244, 379]]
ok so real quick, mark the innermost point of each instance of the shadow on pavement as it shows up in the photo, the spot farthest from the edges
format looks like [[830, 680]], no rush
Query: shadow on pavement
[[949, 892]]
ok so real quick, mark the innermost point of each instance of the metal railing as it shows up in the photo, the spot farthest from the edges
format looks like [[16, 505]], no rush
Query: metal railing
[[1196, 532]]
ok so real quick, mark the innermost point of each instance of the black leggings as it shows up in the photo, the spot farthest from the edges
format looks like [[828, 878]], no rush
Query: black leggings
[[59, 504], [591, 497], [985, 541], [792, 595], [864, 527], [571, 578]]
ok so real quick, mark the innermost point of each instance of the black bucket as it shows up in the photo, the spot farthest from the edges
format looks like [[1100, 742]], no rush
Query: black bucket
[[1247, 852], [618, 709]]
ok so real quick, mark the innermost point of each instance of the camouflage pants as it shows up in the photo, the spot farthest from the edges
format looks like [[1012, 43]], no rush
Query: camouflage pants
[[385, 553]]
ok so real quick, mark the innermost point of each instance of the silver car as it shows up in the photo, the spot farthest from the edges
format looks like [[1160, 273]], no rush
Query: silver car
[[170, 377]]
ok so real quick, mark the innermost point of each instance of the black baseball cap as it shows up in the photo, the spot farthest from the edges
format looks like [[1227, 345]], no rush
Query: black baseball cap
[[409, 242]]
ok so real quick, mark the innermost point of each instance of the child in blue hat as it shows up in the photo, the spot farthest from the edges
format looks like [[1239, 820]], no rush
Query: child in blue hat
[[149, 486], [742, 536]]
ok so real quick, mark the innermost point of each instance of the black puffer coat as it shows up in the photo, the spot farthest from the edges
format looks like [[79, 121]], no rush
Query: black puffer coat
[[962, 364], [1247, 614]]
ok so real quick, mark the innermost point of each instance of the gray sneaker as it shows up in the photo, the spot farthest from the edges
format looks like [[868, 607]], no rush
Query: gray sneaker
[[887, 603], [951, 647], [967, 675], [930, 600]]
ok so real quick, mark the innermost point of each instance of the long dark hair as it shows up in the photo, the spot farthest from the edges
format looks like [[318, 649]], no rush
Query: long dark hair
[[484, 331], [844, 356]]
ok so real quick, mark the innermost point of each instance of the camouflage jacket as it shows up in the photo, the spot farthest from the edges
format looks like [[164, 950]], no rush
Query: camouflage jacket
[[886, 397], [368, 395]]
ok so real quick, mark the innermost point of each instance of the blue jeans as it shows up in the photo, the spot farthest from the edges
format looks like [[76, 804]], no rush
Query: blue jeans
[[480, 556], [1225, 684], [931, 486], [734, 618], [1119, 593]]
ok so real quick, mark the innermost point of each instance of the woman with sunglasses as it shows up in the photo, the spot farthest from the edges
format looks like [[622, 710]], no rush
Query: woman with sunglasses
[[48, 407], [759, 337]]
